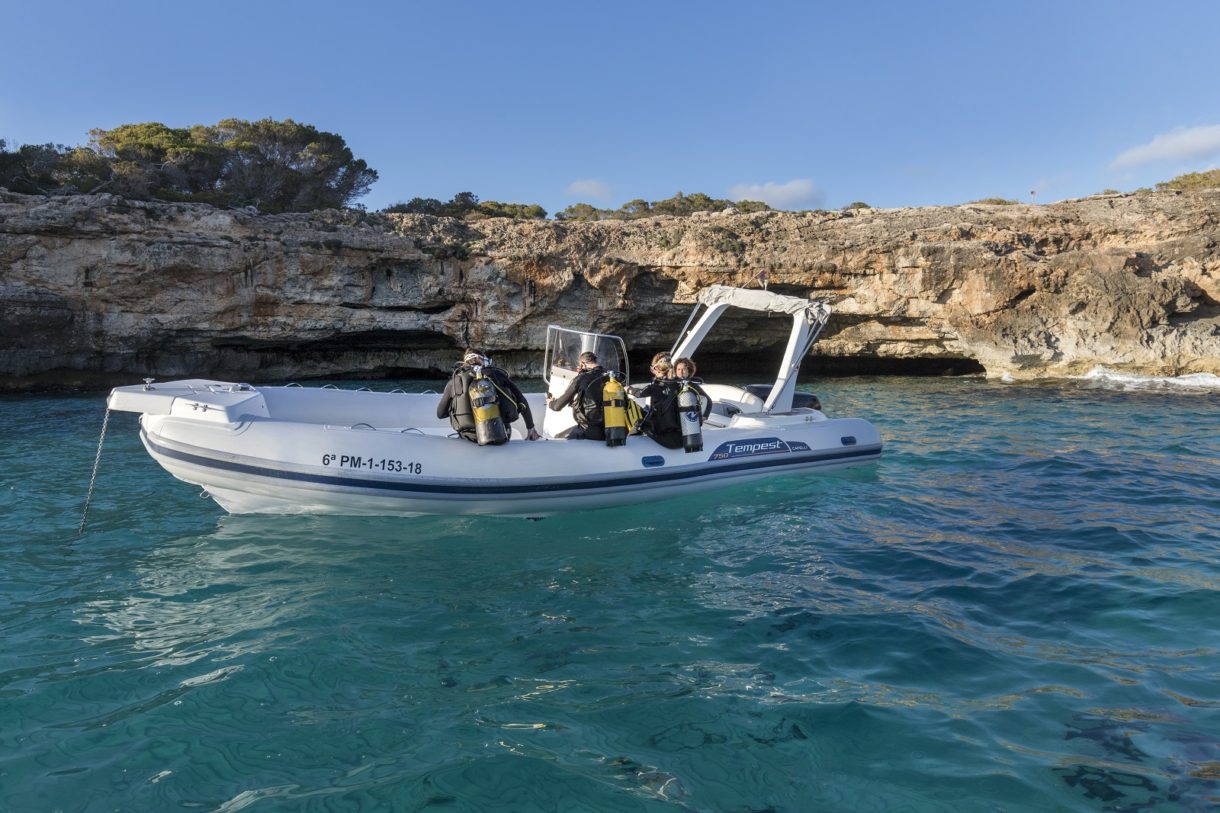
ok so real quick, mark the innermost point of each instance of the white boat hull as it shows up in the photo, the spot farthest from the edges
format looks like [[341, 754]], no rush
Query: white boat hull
[[289, 450]]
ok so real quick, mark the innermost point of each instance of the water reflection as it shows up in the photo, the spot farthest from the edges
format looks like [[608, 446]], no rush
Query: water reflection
[[251, 584]]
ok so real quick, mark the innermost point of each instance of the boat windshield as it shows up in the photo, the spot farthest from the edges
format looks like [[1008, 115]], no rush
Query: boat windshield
[[564, 346]]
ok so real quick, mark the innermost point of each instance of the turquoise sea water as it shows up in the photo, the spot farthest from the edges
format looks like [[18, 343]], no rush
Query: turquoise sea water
[[1017, 610]]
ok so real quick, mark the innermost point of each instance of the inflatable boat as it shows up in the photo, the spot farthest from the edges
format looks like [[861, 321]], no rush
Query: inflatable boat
[[298, 450]]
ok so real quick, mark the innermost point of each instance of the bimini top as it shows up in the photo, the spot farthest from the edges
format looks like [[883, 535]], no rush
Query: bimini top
[[755, 300], [808, 319]]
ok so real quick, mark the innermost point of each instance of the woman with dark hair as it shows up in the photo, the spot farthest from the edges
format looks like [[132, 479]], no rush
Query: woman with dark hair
[[685, 368]]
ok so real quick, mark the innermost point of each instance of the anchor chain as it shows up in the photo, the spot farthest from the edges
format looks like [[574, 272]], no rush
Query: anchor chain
[[97, 461]]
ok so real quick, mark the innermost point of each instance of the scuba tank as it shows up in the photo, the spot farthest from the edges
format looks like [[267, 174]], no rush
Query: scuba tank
[[688, 417], [488, 425], [614, 409]]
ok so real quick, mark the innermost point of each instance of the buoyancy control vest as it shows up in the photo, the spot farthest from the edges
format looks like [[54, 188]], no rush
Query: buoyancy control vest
[[662, 423], [664, 415], [509, 408], [461, 413], [635, 416], [587, 405]]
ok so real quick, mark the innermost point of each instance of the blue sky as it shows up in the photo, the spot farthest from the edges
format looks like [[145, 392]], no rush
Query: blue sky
[[802, 104]]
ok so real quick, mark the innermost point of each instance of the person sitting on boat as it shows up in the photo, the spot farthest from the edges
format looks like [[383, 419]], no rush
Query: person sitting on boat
[[663, 421], [661, 367], [585, 396], [455, 400], [684, 370]]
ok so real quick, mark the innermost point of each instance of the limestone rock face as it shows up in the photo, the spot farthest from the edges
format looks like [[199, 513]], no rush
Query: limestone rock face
[[97, 290]]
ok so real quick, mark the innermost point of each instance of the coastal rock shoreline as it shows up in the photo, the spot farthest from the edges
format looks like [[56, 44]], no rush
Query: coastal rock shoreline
[[96, 290]]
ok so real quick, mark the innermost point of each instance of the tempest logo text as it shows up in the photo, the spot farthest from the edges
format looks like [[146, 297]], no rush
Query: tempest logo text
[[755, 448], [748, 448]]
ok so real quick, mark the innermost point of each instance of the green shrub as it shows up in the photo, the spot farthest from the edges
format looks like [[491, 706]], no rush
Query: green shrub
[[726, 241], [1192, 180], [680, 205], [277, 166], [517, 211], [467, 205]]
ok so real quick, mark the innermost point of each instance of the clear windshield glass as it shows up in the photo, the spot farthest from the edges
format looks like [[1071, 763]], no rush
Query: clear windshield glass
[[564, 346]]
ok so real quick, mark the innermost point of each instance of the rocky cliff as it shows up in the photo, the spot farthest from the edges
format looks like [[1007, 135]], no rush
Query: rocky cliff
[[97, 290]]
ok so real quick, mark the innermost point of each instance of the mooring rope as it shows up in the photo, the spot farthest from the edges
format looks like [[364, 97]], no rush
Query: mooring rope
[[97, 461]]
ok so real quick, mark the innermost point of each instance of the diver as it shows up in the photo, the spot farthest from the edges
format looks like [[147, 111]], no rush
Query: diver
[[685, 370], [669, 421], [499, 402], [585, 396]]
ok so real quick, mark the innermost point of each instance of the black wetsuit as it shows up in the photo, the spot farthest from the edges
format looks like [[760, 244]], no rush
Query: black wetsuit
[[512, 403], [662, 422], [585, 396]]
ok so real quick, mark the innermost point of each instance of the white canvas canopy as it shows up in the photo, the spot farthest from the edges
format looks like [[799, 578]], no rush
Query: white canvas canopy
[[755, 300], [808, 319]]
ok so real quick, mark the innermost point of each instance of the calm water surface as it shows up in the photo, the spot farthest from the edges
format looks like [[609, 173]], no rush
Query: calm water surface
[[1015, 610]]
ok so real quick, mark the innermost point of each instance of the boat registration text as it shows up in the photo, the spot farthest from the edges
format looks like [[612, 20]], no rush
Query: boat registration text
[[347, 461]]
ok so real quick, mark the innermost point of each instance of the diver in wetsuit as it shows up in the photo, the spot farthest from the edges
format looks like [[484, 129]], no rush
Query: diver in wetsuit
[[455, 400], [663, 422], [585, 396]]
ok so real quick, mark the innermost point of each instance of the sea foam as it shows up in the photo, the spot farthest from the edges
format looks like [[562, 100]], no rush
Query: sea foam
[[1110, 378]]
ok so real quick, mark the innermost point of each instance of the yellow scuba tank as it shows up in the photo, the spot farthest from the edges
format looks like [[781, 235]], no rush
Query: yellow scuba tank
[[614, 409], [688, 417], [488, 425]]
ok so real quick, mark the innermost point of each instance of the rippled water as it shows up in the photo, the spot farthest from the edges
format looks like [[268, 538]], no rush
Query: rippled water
[[1015, 610]]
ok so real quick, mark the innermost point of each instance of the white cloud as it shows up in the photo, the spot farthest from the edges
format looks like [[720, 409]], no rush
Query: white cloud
[[588, 188], [801, 193], [1183, 144]]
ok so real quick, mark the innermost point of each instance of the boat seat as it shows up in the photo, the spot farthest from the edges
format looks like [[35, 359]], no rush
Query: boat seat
[[799, 399], [721, 414]]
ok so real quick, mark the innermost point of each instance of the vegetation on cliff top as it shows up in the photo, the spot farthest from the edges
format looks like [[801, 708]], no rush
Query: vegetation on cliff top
[[679, 205], [1193, 180], [276, 166], [467, 205], [284, 166]]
